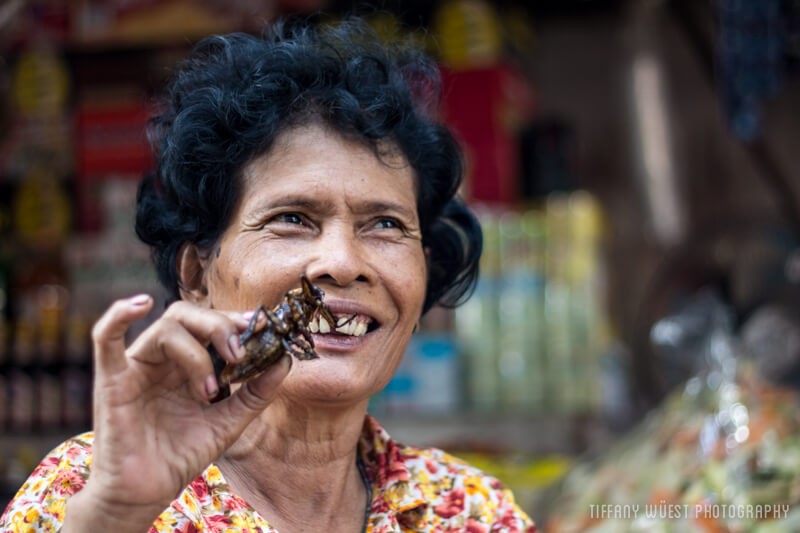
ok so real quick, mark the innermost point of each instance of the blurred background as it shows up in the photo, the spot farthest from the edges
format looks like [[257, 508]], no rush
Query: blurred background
[[628, 159]]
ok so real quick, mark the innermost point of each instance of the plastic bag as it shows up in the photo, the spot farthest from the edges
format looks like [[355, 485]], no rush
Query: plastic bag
[[720, 455]]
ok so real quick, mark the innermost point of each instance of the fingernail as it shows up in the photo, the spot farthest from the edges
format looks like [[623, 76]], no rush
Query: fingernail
[[236, 347], [211, 386], [248, 315], [139, 300]]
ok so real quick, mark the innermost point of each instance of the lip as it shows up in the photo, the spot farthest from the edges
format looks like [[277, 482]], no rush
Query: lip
[[350, 307], [327, 344]]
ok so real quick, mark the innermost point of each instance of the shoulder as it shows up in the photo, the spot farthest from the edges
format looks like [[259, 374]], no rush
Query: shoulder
[[441, 489], [462, 494], [42, 498], [440, 469], [394, 461], [67, 466]]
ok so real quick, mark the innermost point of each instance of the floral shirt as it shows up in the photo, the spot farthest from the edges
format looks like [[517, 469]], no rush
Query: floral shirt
[[413, 489]]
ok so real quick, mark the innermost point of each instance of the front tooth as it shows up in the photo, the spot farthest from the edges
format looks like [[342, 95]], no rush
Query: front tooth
[[342, 321], [346, 329], [313, 326], [324, 327]]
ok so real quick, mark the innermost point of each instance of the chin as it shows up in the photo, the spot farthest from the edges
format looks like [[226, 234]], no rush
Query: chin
[[325, 386]]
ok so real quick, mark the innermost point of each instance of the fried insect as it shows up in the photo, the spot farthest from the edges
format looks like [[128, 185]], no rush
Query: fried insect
[[271, 334]]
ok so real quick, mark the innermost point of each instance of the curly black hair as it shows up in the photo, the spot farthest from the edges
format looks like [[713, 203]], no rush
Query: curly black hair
[[236, 93]]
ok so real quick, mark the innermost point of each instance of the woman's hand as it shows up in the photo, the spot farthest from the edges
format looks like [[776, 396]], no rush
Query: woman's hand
[[155, 429]]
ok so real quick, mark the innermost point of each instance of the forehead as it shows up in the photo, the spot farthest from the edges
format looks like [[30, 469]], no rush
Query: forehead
[[313, 158]]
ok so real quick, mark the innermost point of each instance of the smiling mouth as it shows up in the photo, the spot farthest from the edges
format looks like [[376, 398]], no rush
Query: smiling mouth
[[350, 325]]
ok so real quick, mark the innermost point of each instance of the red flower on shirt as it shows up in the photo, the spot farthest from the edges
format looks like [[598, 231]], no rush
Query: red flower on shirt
[[217, 522], [200, 488], [379, 506], [430, 466], [452, 505], [68, 482], [45, 466], [235, 503], [188, 527], [473, 526], [391, 465]]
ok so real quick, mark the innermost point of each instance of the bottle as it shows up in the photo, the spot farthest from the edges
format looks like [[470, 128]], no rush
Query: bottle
[[39, 301], [76, 372], [436, 364], [22, 406], [51, 302], [5, 342], [476, 326], [519, 307]]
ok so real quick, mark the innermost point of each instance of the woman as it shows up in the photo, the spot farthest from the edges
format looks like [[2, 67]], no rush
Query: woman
[[308, 151]]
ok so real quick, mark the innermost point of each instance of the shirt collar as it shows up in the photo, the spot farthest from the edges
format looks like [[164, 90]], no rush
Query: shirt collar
[[396, 491]]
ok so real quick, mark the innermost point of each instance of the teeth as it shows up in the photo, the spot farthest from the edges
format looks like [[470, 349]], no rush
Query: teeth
[[345, 325], [324, 327], [354, 328], [346, 329]]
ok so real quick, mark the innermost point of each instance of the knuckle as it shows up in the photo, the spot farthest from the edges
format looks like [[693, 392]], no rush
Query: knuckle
[[177, 309], [163, 330]]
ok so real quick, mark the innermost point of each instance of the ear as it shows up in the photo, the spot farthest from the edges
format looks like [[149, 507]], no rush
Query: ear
[[191, 266]]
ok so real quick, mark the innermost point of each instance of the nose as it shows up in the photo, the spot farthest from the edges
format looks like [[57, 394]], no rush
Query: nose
[[339, 257]]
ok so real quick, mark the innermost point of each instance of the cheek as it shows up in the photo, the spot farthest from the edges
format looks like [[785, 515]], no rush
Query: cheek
[[225, 280], [240, 280], [412, 280]]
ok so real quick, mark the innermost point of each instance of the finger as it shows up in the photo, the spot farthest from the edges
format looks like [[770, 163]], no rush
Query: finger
[[168, 342], [222, 329], [108, 333], [253, 396]]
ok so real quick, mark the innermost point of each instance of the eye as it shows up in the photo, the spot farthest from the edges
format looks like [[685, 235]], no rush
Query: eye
[[388, 223], [289, 218], [289, 223]]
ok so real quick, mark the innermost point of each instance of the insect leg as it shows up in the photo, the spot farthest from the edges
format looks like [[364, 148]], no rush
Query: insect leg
[[251, 327], [299, 342]]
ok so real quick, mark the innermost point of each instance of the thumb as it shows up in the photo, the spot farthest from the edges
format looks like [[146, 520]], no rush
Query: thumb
[[255, 394], [108, 333]]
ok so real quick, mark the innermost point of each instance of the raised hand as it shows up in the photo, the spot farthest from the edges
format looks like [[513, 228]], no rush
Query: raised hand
[[155, 428]]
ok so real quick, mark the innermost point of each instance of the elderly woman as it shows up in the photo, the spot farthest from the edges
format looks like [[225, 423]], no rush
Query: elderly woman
[[309, 151]]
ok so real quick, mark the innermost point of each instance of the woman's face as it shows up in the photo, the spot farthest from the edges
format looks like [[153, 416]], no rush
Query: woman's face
[[328, 207]]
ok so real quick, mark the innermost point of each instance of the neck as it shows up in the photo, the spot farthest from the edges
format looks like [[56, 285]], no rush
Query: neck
[[313, 482]]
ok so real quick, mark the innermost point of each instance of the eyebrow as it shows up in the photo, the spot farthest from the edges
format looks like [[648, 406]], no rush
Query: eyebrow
[[304, 202], [383, 207], [326, 206]]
